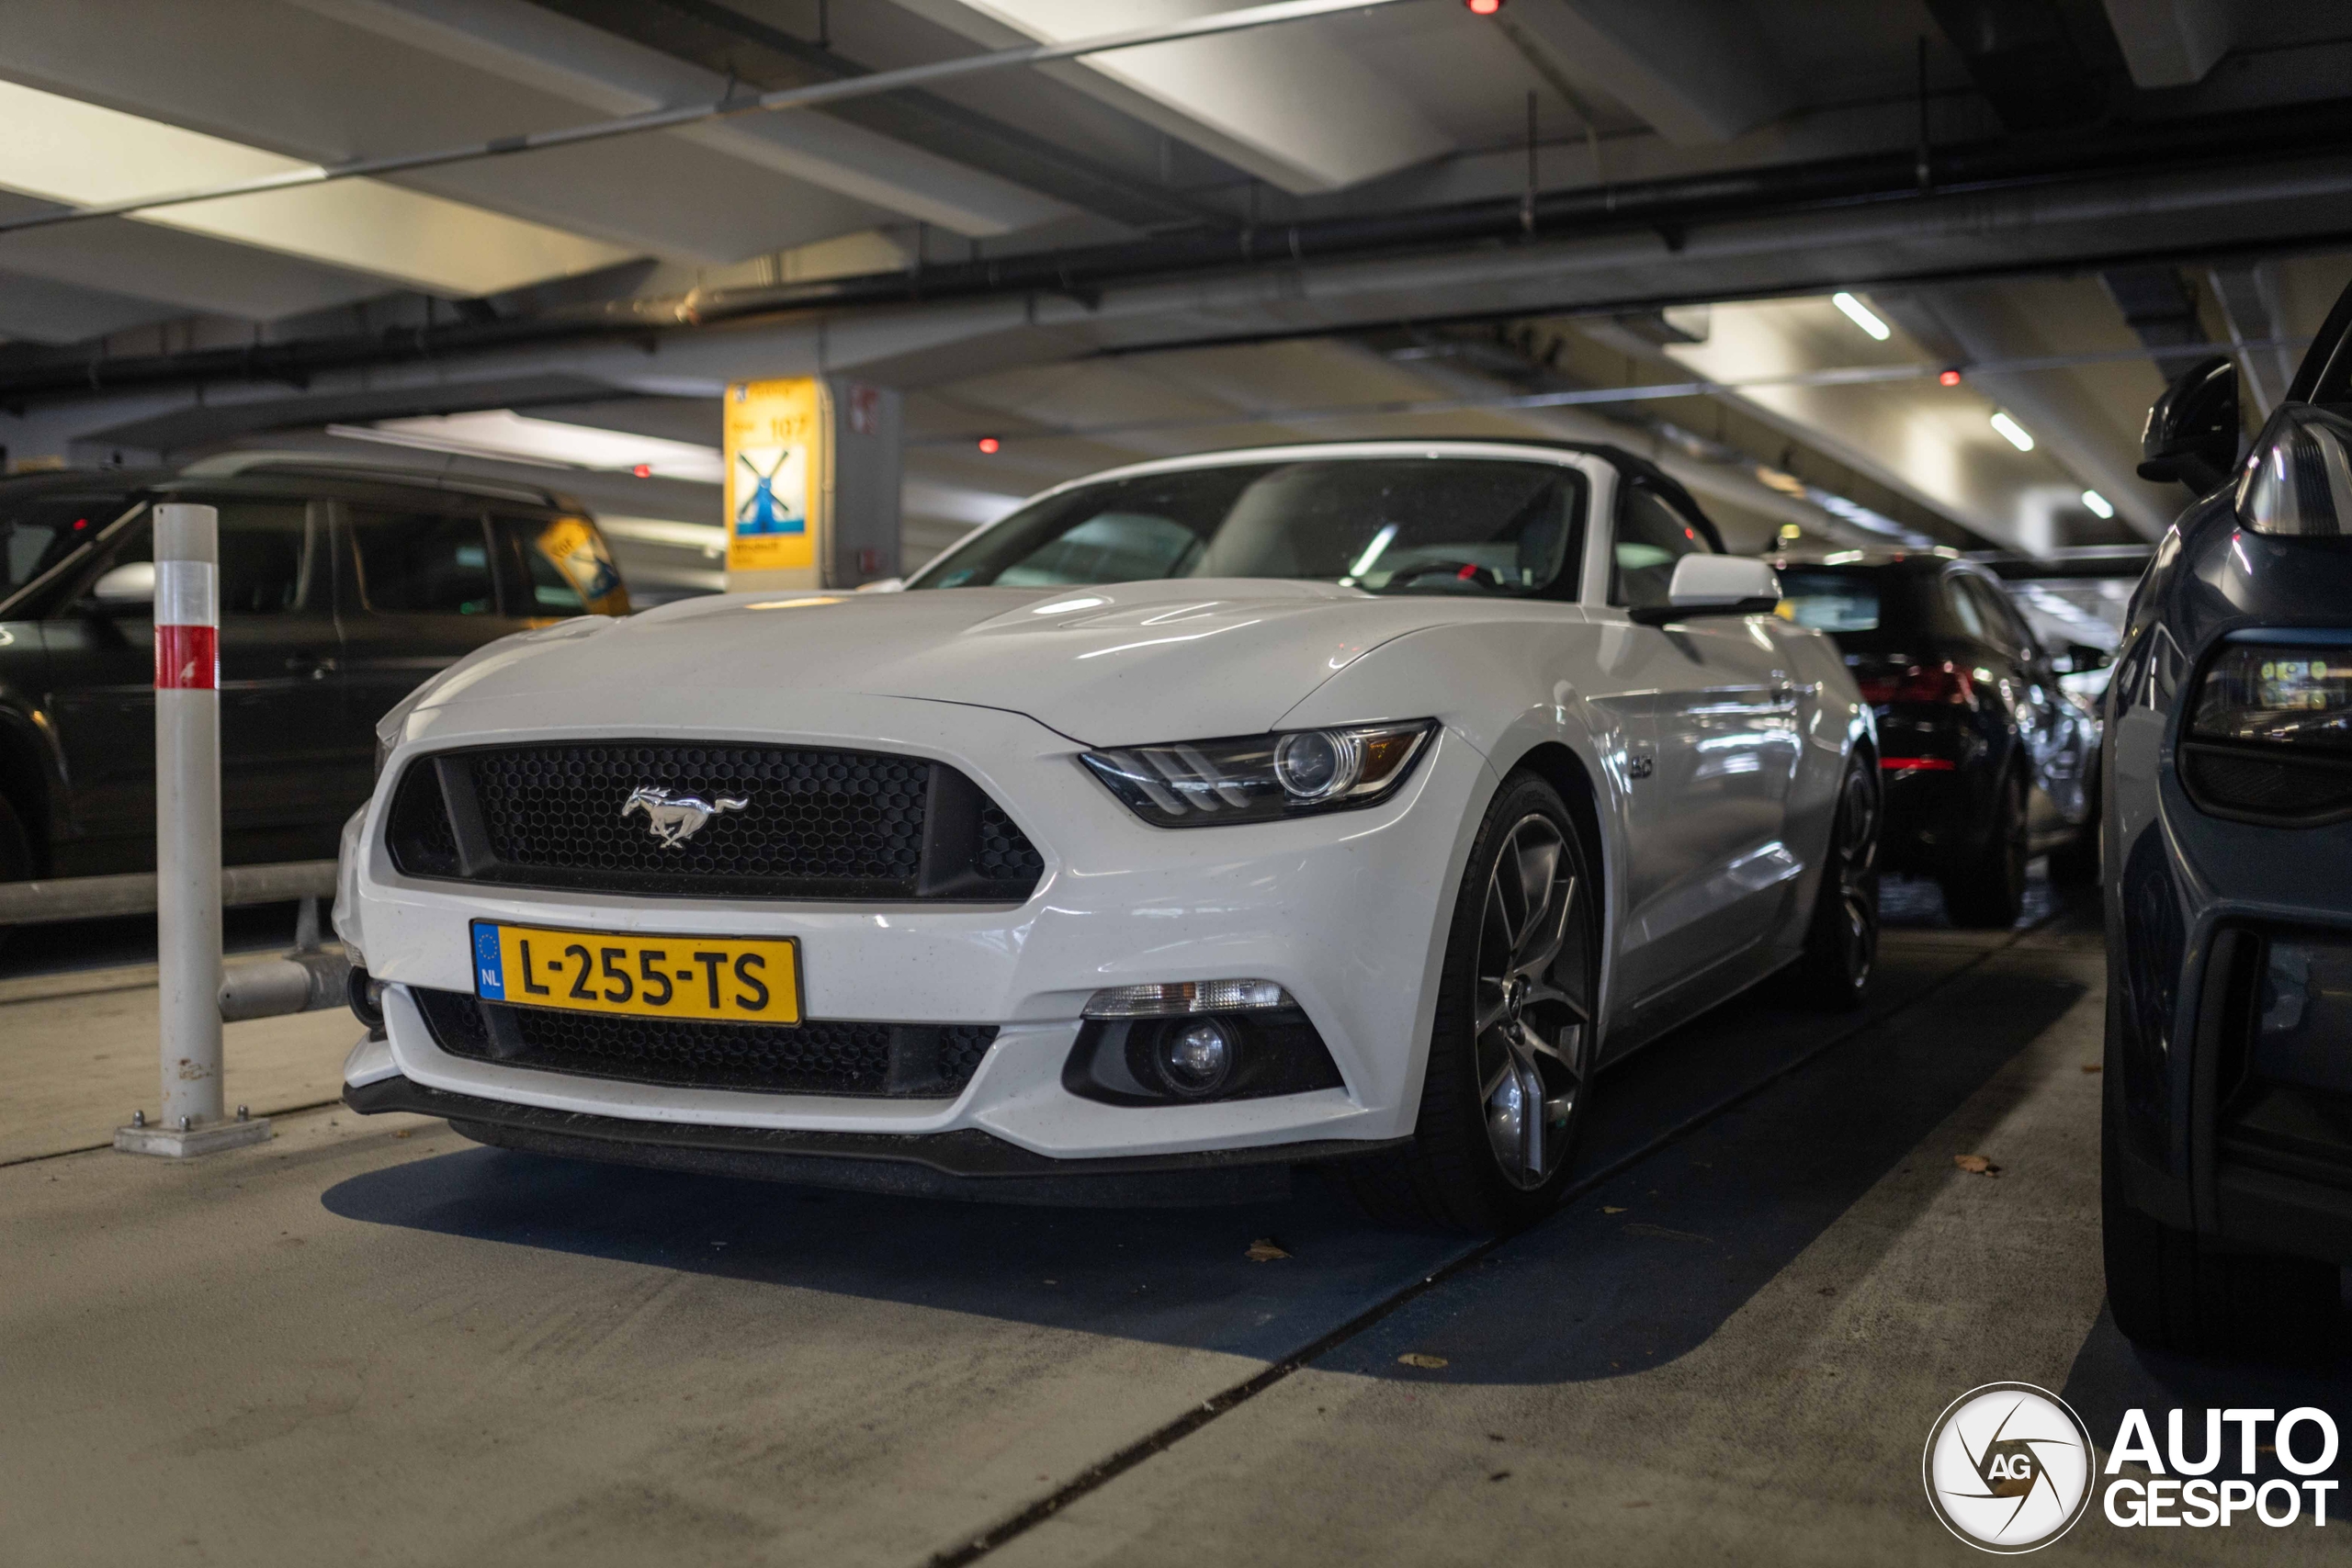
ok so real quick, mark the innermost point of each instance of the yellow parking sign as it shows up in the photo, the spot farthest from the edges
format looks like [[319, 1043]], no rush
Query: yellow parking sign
[[778, 476]]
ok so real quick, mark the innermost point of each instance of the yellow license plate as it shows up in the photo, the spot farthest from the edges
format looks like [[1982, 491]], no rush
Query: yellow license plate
[[649, 977]]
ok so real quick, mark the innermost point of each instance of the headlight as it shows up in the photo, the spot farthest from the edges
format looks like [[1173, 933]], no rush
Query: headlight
[[2269, 736], [2262, 691], [1257, 778]]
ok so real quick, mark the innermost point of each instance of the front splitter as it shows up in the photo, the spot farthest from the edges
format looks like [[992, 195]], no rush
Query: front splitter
[[968, 1165]]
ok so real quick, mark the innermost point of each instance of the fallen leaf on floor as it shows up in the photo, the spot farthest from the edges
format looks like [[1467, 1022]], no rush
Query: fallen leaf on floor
[[404, 1132], [1415, 1358], [1263, 1250], [2094, 1066], [1494, 1437], [1611, 1209], [1828, 1289], [1499, 1475], [1977, 1165]]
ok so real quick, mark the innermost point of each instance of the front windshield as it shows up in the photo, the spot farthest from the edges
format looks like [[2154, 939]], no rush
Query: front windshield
[[1387, 525]]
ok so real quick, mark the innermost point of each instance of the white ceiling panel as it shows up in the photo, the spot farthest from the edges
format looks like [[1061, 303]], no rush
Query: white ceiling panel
[[1290, 104], [81, 154]]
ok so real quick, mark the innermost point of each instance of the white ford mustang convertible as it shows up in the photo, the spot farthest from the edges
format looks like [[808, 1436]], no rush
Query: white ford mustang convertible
[[1352, 803]]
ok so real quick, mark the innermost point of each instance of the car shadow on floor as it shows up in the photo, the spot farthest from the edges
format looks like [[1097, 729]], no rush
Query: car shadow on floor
[[2111, 1375], [1185, 1277], [1646, 1267]]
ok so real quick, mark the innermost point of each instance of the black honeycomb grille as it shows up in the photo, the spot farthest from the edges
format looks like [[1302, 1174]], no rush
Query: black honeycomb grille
[[892, 1060], [1005, 853], [785, 822], [852, 820]]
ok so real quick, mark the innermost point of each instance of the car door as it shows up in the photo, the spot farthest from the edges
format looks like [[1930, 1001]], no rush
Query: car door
[[2030, 692], [418, 591], [1711, 711], [279, 706]]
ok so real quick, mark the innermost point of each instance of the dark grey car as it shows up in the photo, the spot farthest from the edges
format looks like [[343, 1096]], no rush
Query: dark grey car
[[341, 588], [2228, 1131]]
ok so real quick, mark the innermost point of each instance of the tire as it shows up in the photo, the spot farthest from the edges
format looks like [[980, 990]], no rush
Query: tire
[[1988, 888], [16, 854], [1841, 943], [1477, 1161], [2168, 1290]]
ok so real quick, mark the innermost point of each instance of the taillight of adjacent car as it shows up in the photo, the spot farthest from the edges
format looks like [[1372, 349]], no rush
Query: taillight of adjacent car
[[1941, 681]]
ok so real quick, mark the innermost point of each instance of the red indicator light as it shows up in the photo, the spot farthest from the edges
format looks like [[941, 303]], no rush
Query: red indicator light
[[989, 444], [1949, 379], [1483, 8], [643, 470]]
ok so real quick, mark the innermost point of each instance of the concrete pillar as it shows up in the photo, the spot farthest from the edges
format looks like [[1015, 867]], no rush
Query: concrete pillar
[[812, 489]]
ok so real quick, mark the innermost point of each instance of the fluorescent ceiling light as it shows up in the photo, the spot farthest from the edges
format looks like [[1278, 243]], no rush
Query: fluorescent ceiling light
[[1860, 315], [66, 151], [2100, 506], [503, 436], [2013, 432]]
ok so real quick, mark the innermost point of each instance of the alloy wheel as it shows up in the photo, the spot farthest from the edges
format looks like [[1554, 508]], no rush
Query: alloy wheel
[[1533, 1024], [1856, 869]]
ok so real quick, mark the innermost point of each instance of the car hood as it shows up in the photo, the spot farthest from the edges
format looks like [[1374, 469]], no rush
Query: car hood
[[1104, 665]]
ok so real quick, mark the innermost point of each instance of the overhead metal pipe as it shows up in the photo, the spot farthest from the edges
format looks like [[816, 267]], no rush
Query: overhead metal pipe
[[2268, 144]]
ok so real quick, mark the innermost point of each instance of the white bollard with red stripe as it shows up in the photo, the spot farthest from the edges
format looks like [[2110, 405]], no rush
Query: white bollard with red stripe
[[187, 844]]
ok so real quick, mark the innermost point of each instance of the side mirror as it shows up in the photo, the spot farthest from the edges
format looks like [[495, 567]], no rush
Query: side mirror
[[2080, 658], [1714, 585], [131, 586], [2192, 431]]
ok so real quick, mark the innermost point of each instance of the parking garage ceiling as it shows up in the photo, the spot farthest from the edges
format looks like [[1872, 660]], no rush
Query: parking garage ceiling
[[1400, 217]]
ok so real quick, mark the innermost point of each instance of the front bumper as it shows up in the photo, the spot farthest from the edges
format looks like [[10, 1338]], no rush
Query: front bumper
[[1342, 910], [2230, 1060]]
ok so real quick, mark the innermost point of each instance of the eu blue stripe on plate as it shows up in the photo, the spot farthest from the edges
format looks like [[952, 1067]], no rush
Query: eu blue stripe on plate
[[490, 970]]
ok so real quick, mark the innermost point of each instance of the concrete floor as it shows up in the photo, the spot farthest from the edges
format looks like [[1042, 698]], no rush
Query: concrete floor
[[373, 1340]]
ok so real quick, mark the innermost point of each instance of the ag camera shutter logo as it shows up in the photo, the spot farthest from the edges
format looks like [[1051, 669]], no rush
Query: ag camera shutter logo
[[2007, 1466]]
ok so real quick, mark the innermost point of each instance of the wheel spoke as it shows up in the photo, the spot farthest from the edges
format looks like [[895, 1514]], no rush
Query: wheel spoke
[[1494, 1011], [1543, 940], [1537, 860], [1500, 927]]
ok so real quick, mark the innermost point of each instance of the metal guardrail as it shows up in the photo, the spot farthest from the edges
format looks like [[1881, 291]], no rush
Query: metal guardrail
[[88, 898]]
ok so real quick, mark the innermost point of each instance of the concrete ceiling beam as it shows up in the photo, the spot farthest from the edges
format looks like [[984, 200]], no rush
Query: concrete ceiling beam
[[1699, 71]]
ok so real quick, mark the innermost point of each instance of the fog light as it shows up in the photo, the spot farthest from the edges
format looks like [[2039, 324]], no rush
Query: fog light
[[1195, 1059]]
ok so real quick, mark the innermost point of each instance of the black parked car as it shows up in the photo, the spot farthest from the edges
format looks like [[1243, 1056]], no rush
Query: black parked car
[[1986, 759], [341, 588], [2227, 1173]]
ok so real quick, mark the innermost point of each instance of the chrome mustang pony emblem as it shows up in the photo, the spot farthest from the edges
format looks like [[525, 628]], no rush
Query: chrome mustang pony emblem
[[675, 821]]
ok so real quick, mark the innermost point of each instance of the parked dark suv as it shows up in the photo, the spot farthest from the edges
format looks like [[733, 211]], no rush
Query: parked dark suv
[[341, 588], [1987, 760]]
